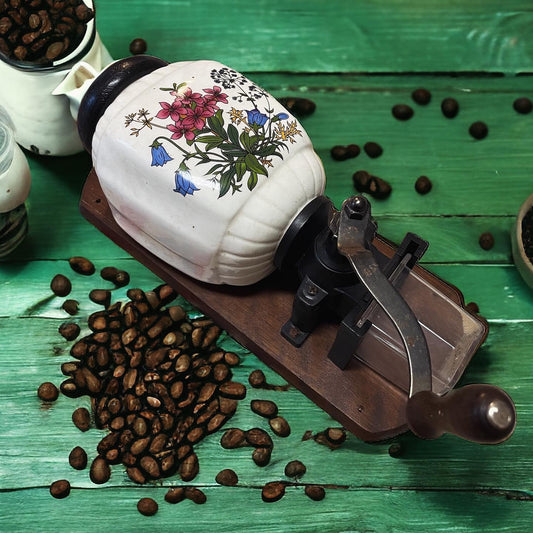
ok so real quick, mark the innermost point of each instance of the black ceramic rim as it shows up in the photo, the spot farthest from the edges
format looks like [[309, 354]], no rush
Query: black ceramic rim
[[311, 220], [105, 89]]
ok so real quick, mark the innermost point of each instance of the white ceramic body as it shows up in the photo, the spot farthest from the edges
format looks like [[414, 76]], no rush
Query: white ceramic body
[[43, 121], [184, 215]]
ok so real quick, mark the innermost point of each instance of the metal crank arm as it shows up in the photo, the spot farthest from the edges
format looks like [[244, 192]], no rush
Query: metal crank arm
[[479, 413]]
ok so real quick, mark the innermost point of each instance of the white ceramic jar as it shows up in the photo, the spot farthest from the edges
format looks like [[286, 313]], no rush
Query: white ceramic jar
[[35, 95], [199, 165], [15, 184]]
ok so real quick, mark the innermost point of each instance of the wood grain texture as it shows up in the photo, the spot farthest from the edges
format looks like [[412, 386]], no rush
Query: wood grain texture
[[355, 60], [340, 36]]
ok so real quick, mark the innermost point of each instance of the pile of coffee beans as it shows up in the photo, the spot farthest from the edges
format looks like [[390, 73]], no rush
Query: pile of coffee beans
[[527, 234], [42, 31]]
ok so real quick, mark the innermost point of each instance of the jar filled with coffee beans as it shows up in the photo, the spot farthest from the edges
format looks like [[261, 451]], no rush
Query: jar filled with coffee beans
[[14, 188]]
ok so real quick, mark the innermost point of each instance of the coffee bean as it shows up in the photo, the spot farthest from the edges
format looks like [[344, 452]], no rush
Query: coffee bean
[[233, 390], [233, 438], [423, 185], [353, 150], [100, 296], [78, 458], [47, 392], [449, 107], [478, 130], [373, 149], [150, 467], [486, 241], [175, 495], [69, 330], [299, 107], [402, 111], [361, 180], [257, 379], [195, 495], [189, 468], [227, 477], [339, 153], [258, 438], [81, 265], [100, 471], [60, 285], [295, 469], [472, 307], [147, 506], [71, 307], [315, 492], [60, 489], [265, 408], [335, 435], [378, 188], [138, 46], [395, 449], [421, 96], [280, 426], [81, 418], [273, 491], [523, 105]]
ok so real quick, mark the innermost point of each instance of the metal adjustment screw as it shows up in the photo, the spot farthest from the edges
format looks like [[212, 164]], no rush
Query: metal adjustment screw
[[356, 207]]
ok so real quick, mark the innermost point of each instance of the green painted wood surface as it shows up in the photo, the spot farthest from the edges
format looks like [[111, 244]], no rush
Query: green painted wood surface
[[309, 49]]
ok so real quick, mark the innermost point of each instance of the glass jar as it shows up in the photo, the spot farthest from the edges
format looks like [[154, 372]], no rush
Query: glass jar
[[15, 183]]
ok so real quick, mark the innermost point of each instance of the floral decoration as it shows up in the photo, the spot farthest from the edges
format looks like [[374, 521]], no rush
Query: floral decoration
[[238, 142]]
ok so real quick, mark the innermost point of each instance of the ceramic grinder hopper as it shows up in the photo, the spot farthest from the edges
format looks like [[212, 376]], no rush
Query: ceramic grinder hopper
[[300, 266]]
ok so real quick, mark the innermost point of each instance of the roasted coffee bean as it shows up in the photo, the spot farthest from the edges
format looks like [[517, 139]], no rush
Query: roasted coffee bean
[[150, 467], [69, 330], [195, 495], [100, 296], [189, 468], [423, 185], [478, 130], [258, 438], [233, 438], [273, 491], [81, 418], [70, 389], [295, 469], [227, 477], [339, 153], [395, 449], [233, 390], [361, 180], [78, 458], [376, 187], [81, 265], [60, 489], [299, 107], [486, 240], [472, 307], [100, 471], [402, 111], [353, 150], [231, 359], [449, 107], [373, 149], [261, 456], [264, 408], [257, 379], [147, 506], [135, 475], [315, 492], [280, 426], [523, 105], [71, 307], [120, 278], [421, 96], [60, 285], [175, 495], [138, 46], [47, 392], [335, 436]]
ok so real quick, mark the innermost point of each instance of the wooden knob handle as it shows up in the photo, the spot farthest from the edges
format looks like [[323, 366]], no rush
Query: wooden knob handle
[[479, 413]]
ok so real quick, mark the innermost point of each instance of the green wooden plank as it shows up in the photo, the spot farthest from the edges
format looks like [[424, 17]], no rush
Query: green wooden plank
[[347, 511], [317, 36]]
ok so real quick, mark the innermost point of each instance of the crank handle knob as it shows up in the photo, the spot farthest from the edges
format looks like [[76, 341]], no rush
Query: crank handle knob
[[479, 413]]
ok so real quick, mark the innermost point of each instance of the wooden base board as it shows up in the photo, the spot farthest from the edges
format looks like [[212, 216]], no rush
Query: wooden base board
[[358, 398]]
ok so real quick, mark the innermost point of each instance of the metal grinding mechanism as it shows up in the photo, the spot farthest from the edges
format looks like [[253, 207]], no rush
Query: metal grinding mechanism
[[231, 212]]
